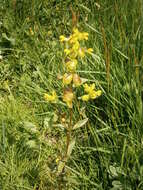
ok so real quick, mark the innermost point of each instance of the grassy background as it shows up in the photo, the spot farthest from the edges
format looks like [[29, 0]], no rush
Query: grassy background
[[108, 153]]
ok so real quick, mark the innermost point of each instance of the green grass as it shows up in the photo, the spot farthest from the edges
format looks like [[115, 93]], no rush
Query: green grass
[[108, 152]]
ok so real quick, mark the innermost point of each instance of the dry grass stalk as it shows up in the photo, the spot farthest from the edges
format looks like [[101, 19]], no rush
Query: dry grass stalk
[[106, 55]]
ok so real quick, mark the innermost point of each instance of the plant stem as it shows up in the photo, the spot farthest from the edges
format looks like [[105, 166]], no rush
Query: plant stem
[[69, 131]]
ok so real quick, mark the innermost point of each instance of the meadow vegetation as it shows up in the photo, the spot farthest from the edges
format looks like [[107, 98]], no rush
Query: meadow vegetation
[[107, 153]]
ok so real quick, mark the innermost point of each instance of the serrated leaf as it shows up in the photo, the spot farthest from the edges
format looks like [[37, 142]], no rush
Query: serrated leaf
[[80, 123], [70, 148]]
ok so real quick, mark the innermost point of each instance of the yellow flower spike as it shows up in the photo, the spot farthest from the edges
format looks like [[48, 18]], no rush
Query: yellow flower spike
[[51, 98], [73, 39], [67, 79], [75, 46], [85, 97], [76, 80], [68, 97], [63, 38], [67, 51], [71, 65], [89, 50], [74, 36]]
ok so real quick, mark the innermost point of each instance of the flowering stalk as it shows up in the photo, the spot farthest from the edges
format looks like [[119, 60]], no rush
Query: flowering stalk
[[71, 80]]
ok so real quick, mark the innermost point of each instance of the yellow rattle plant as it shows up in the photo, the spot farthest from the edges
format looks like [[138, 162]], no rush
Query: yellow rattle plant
[[73, 52]]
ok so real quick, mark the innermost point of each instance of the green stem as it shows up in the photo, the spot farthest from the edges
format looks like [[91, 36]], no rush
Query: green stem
[[69, 132], [69, 129]]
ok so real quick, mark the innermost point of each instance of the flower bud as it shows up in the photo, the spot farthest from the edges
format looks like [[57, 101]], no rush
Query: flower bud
[[68, 97], [67, 79], [76, 80], [71, 65]]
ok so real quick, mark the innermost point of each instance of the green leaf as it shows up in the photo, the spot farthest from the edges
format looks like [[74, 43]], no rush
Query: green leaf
[[11, 40], [31, 144], [80, 123], [113, 171], [116, 185], [61, 167], [70, 148], [30, 126]]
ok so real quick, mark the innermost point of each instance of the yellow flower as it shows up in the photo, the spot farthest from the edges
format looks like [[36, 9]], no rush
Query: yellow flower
[[72, 52], [57, 160], [71, 65], [84, 36], [94, 94], [77, 36], [80, 35], [89, 50], [67, 51], [63, 38], [73, 39], [51, 98], [75, 46], [85, 97], [91, 93], [68, 97], [88, 88], [67, 79]]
